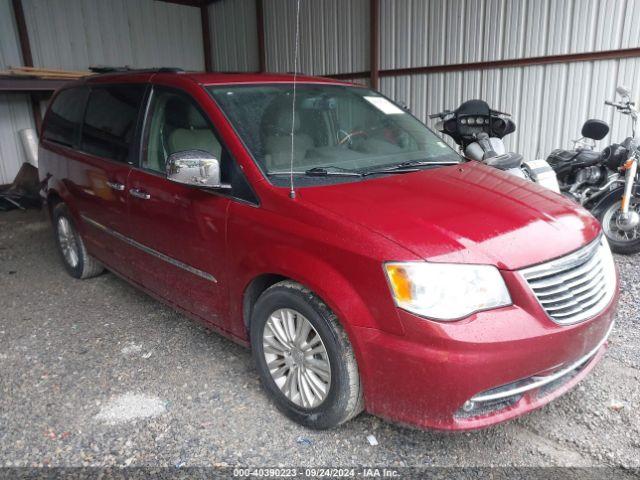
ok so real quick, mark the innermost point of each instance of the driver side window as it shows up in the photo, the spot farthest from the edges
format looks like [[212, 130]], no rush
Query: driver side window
[[176, 124]]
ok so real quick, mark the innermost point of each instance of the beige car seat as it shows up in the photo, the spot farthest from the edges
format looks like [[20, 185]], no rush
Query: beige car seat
[[277, 139], [194, 135]]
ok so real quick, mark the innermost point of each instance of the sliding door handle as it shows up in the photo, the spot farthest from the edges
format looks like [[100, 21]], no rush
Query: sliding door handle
[[139, 194], [116, 186]]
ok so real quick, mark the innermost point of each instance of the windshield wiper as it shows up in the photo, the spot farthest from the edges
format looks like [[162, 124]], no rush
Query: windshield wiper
[[406, 167], [331, 170], [320, 172]]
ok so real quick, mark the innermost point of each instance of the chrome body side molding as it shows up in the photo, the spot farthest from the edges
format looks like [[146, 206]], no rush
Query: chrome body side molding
[[150, 251]]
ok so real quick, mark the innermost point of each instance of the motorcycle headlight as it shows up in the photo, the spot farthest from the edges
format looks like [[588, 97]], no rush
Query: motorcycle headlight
[[446, 291]]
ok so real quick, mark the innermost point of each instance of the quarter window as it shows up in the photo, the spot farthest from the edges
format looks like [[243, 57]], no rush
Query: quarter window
[[110, 121], [65, 116]]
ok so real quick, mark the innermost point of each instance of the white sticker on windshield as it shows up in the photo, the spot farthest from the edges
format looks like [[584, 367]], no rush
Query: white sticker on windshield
[[384, 105]]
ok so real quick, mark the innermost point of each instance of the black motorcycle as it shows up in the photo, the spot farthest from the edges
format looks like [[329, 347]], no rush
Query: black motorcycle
[[478, 130], [606, 183]]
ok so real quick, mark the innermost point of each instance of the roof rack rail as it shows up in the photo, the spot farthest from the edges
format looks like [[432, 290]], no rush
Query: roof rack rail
[[126, 68]]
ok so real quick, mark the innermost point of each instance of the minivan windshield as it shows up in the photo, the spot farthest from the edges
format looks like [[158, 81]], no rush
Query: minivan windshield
[[332, 130]]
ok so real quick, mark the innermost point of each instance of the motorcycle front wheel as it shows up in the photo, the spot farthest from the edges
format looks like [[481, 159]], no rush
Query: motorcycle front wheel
[[621, 241]]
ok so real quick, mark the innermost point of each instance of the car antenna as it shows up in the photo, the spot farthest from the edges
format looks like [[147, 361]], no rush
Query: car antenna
[[292, 192]]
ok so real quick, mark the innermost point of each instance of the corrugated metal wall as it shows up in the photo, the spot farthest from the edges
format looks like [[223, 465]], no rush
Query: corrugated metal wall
[[234, 36], [334, 36], [549, 103], [416, 33], [74, 34], [15, 110]]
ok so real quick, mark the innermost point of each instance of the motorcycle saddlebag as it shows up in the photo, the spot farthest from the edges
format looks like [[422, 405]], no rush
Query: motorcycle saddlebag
[[560, 161]]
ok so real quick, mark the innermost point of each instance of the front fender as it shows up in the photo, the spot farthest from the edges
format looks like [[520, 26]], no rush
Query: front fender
[[320, 276]]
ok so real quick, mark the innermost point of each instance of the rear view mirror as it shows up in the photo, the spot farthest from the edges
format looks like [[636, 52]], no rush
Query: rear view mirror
[[595, 129], [194, 167]]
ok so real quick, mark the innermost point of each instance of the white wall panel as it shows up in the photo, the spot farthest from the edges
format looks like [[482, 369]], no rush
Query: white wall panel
[[334, 36], [234, 36], [15, 110], [15, 115], [74, 34]]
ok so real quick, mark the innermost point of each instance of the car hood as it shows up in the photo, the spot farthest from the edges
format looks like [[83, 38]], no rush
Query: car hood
[[466, 213]]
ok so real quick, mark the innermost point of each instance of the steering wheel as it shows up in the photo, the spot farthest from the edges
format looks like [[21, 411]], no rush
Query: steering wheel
[[345, 137]]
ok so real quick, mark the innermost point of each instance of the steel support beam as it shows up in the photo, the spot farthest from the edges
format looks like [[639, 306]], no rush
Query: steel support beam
[[516, 62], [206, 38], [374, 43], [27, 58], [262, 61]]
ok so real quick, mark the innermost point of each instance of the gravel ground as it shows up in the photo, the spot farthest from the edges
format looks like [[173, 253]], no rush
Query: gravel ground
[[97, 373]]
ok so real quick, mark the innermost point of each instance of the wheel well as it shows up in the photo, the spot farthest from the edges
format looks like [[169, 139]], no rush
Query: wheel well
[[52, 200], [251, 294]]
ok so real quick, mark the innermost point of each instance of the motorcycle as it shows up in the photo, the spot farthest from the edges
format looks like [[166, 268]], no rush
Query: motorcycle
[[478, 130], [605, 183]]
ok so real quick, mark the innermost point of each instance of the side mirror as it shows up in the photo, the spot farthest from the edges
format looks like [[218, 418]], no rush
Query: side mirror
[[194, 167], [595, 129]]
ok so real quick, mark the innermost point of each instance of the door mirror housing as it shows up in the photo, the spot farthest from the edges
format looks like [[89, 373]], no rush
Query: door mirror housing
[[595, 129], [196, 168]]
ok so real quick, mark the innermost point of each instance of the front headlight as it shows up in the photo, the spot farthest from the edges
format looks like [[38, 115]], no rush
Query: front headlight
[[446, 291]]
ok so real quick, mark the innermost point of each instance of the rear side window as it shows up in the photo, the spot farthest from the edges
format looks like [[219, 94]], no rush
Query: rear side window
[[110, 120], [65, 116]]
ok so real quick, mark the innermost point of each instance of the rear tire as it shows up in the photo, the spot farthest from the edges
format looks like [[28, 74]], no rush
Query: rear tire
[[323, 404], [616, 237], [73, 252]]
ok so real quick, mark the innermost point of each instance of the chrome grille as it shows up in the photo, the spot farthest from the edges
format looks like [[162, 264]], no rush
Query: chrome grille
[[577, 286]]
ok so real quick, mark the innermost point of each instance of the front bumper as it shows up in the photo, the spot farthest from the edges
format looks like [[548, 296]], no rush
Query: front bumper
[[425, 377]]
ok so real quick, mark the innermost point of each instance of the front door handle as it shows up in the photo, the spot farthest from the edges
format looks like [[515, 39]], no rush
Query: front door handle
[[116, 186], [139, 194]]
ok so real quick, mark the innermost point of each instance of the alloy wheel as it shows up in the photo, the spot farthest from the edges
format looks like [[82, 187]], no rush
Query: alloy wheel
[[296, 358], [67, 240]]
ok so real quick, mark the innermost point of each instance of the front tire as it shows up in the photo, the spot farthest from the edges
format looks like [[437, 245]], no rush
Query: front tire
[[74, 254], [623, 242], [304, 358]]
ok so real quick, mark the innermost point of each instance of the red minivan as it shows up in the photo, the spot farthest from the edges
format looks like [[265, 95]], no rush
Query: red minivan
[[366, 264]]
